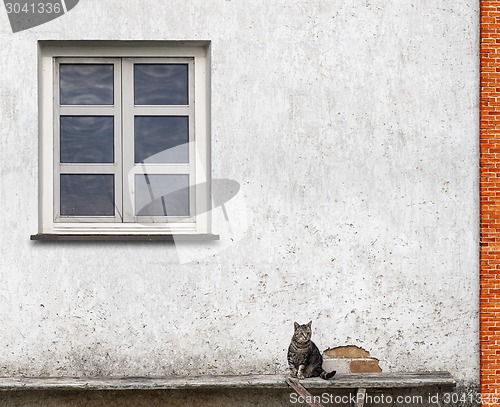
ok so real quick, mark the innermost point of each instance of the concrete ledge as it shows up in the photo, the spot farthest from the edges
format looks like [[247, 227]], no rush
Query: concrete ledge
[[342, 381]]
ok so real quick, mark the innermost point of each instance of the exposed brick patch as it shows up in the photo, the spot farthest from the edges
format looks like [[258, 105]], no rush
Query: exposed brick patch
[[490, 196], [349, 359], [349, 351]]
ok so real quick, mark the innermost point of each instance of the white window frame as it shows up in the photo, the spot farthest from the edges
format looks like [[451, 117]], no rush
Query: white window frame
[[197, 55]]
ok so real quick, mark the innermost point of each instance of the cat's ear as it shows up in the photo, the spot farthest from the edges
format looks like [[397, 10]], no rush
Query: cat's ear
[[296, 325], [309, 324]]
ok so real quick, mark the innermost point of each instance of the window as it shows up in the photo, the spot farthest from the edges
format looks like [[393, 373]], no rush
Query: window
[[124, 138]]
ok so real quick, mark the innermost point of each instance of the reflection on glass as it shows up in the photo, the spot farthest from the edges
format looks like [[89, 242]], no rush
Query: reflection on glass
[[87, 139], [87, 195], [162, 195], [161, 84], [161, 139], [86, 84]]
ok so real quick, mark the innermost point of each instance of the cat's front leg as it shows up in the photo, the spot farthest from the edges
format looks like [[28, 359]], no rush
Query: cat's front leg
[[291, 365], [300, 372]]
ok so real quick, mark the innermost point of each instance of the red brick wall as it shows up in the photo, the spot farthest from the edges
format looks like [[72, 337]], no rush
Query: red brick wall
[[490, 197]]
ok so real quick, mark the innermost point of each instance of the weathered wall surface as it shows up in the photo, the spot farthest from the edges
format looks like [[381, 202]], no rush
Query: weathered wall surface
[[352, 128]]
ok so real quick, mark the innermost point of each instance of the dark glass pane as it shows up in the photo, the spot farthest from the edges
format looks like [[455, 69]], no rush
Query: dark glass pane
[[87, 139], [161, 84], [87, 195], [161, 139], [86, 84], [162, 195]]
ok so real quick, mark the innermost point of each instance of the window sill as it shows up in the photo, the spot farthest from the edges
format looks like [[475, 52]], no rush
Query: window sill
[[123, 238]]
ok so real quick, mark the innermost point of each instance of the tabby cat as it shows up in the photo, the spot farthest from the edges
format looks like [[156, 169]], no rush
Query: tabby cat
[[304, 357]]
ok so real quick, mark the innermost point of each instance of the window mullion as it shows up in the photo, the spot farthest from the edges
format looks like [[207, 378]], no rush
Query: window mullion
[[118, 141], [127, 122]]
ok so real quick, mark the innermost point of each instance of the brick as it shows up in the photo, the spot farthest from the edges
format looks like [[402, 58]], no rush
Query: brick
[[365, 366], [490, 195]]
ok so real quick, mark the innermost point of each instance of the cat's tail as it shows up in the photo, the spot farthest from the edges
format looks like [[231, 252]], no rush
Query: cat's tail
[[325, 375]]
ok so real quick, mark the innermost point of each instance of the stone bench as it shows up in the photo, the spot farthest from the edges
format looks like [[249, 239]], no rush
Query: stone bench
[[361, 382]]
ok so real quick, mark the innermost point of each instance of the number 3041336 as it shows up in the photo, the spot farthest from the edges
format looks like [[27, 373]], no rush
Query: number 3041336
[[34, 8]]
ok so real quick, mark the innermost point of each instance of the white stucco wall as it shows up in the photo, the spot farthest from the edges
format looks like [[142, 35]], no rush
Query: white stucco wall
[[352, 128]]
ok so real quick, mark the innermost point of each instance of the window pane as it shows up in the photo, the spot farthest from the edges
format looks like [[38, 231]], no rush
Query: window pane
[[161, 84], [161, 139], [87, 139], [86, 84], [87, 195], [162, 195]]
